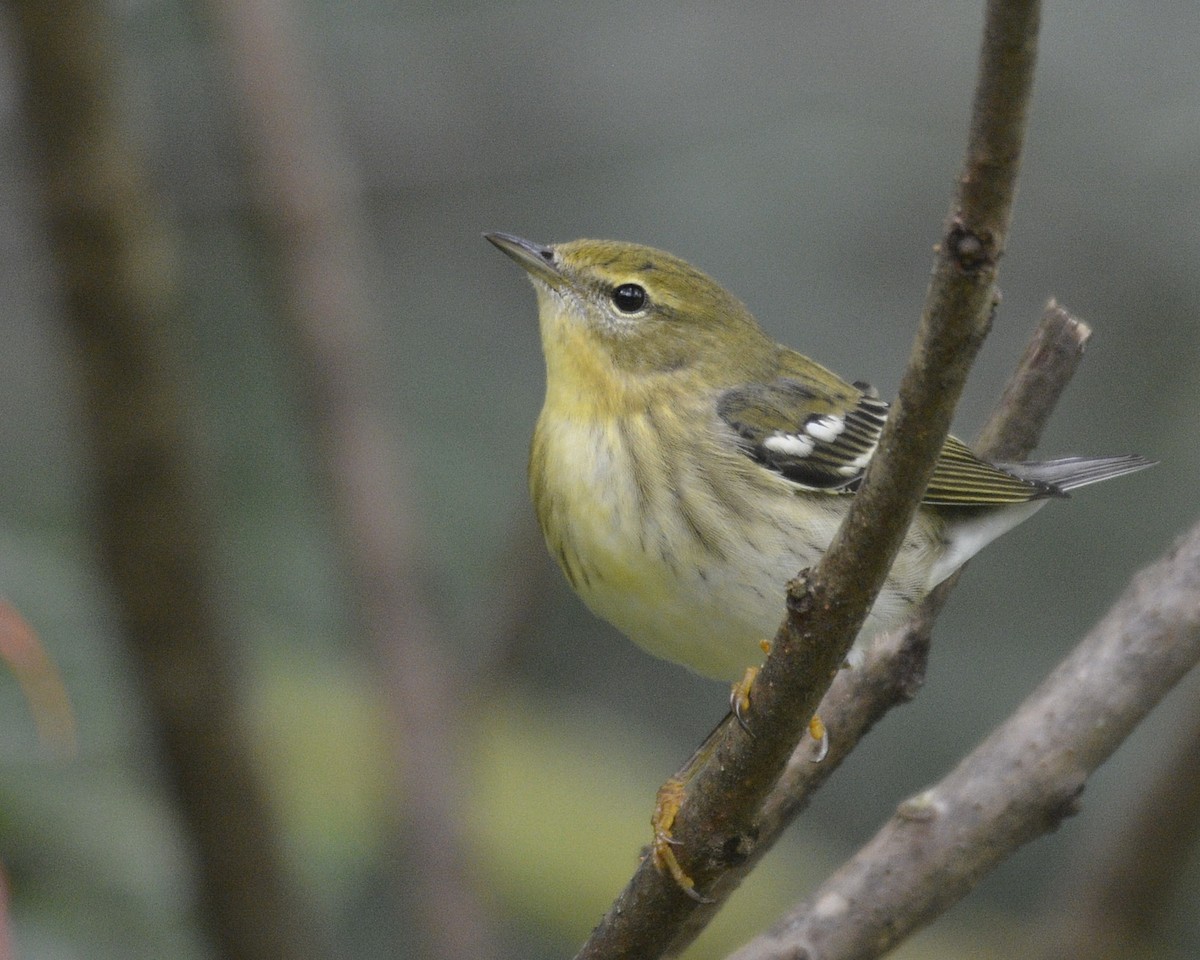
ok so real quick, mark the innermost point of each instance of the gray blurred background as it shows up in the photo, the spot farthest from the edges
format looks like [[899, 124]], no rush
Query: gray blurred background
[[804, 155]]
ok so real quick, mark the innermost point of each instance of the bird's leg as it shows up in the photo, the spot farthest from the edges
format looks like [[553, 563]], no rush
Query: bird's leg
[[739, 703], [739, 696], [666, 806], [819, 733], [670, 794]]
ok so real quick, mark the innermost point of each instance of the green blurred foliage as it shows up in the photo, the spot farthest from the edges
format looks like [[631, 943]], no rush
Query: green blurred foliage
[[556, 838], [801, 153]]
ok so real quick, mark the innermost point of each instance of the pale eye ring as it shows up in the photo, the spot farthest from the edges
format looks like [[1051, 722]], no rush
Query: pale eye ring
[[629, 297]]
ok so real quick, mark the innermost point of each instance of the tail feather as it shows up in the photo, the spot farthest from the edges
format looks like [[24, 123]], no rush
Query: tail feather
[[1070, 473]]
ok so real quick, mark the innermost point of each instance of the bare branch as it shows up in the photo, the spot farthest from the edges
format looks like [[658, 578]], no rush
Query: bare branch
[[1017, 785], [1050, 360], [893, 668], [716, 826]]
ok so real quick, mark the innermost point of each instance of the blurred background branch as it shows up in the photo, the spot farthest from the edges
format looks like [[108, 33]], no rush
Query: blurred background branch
[[306, 198], [152, 518]]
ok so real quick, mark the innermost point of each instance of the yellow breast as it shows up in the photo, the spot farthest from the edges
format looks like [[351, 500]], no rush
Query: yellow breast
[[688, 554], [687, 561]]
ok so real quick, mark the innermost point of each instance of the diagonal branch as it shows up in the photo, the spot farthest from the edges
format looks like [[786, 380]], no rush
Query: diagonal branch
[[893, 668], [1017, 785], [716, 824]]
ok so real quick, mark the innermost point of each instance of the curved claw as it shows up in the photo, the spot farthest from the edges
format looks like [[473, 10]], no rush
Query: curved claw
[[818, 731], [739, 698], [666, 805]]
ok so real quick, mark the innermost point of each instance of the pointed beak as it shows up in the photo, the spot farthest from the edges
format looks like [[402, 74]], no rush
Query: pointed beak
[[539, 261]]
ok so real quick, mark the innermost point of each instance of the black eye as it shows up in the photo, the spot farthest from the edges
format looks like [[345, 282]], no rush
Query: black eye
[[629, 297]]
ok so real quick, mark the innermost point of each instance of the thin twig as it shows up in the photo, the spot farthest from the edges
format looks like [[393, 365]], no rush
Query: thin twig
[[1017, 785], [716, 825]]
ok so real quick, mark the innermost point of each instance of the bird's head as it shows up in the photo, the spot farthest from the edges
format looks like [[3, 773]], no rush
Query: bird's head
[[635, 310]]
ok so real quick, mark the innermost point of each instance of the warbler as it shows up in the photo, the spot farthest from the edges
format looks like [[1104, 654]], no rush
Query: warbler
[[685, 466]]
